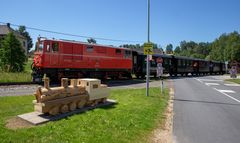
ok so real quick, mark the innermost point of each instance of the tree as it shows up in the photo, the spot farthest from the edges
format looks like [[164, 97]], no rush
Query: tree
[[226, 47], [12, 56], [169, 49], [177, 50], [23, 32], [91, 40]]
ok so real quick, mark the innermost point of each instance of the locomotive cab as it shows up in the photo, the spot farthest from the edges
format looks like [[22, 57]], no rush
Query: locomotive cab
[[37, 61]]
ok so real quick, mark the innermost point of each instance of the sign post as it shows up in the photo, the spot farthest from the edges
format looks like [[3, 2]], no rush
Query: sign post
[[226, 66], [148, 50], [160, 71]]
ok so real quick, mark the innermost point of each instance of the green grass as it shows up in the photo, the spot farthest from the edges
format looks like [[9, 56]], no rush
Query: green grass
[[19, 76], [234, 80], [27, 67], [131, 120], [15, 77]]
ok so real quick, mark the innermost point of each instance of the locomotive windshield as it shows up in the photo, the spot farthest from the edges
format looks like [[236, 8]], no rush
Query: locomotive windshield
[[39, 46]]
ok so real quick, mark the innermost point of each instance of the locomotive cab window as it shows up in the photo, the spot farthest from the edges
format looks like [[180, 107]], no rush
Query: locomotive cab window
[[39, 48], [48, 48], [118, 52], [54, 47]]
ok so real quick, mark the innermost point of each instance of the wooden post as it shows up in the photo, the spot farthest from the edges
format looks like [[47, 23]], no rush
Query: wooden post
[[46, 82]]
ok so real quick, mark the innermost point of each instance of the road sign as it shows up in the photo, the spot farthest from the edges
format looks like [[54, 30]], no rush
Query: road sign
[[148, 48]]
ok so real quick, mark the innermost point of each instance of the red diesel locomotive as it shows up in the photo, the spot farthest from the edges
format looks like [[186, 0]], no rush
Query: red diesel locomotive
[[62, 58]]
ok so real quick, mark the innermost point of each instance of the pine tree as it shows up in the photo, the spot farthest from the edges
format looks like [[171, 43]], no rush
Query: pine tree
[[12, 57]]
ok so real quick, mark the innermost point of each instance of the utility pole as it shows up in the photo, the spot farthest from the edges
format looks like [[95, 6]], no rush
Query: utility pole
[[148, 39]]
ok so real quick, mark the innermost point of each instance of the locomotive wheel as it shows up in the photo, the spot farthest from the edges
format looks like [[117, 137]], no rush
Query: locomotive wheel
[[54, 111], [72, 106], [64, 108], [81, 103]]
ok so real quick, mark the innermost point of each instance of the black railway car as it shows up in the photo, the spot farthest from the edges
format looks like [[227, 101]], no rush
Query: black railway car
[[139, 64], [176, 65]]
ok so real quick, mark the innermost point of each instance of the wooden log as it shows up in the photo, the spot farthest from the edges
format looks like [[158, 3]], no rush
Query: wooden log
[[64, 82], [64, 108], [54, 110], [72, 106]]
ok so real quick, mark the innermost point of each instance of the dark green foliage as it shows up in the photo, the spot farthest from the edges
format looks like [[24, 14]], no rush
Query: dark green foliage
[[192, 49], [226, 47], [91, 40], [169, 49], [138, 46], [131, 46], [12, 55], [23, 32], [177, 50]]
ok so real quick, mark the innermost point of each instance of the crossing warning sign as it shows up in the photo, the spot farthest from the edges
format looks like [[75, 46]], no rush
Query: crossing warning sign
[[148, 48]]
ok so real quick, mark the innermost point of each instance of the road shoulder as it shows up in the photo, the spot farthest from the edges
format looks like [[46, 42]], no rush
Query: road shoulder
[[164, 133]]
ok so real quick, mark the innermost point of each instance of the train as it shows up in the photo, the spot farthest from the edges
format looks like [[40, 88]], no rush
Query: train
[[73, 59], [178, 65]]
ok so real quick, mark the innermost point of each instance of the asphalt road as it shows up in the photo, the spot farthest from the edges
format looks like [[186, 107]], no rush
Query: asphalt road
[[206, 110]]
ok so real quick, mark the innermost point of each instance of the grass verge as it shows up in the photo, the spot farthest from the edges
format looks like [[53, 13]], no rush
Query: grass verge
[[131, 120], [15, 77], [18, 76], [234, 80]]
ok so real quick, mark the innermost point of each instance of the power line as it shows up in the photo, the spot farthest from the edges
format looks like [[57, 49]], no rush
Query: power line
[[74, 35]]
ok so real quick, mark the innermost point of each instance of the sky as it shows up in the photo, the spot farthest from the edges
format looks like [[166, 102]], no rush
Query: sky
[[171, 21]]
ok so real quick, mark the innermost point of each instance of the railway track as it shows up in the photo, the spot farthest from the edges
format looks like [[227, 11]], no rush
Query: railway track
[[15, 83], [19, 89]]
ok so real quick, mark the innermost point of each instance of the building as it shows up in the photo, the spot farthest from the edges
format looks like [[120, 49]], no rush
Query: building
[[5, 29]]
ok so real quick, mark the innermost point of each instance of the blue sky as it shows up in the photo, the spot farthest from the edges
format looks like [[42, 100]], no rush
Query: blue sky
[[172, 21]]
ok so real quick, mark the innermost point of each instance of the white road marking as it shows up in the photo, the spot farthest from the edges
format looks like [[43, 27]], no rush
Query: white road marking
[[219, 90], [198, 80], [227, 95], [227, 91], [209, 84], [210, 80], [232, 84]]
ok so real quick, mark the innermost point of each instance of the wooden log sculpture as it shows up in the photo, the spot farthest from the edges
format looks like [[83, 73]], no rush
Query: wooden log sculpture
[[67, 98]]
